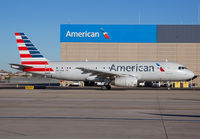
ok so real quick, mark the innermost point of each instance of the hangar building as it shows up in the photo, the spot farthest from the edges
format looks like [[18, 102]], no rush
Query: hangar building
[[175, 43]]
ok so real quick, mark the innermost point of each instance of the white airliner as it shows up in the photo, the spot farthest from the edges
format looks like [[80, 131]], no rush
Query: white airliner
[[125, 74]]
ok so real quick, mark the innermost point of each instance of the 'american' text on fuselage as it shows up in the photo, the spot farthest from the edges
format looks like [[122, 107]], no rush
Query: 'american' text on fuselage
[[134, 68]]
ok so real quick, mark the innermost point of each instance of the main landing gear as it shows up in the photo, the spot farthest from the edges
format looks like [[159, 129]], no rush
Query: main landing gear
[[106, 87]]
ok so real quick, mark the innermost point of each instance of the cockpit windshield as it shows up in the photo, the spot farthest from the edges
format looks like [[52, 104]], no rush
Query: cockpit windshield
[[181, 68]]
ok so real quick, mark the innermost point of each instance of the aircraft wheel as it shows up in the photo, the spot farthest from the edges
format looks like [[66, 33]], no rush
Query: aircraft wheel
[[103, 87], [106, 87]]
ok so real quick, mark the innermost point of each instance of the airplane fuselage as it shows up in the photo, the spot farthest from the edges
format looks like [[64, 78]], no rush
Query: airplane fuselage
[[144, 71]]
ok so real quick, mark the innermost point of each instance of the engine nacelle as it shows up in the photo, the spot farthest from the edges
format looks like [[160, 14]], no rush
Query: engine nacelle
[[125, 81]]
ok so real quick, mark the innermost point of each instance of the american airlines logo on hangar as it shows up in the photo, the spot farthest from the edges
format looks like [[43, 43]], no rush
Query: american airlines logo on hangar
[[108, 33], [87, 34]]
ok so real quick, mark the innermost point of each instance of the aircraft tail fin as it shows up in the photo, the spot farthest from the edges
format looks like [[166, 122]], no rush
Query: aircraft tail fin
[[30, 55]]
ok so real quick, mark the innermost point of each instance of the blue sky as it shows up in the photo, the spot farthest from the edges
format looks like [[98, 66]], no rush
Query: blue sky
[[41, 19]]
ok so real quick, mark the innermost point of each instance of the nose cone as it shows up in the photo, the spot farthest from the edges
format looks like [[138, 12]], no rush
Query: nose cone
[[189, 74]]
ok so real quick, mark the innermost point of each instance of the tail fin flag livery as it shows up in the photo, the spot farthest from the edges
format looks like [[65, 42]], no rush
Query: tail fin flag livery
[[105, 34], [30, 55]]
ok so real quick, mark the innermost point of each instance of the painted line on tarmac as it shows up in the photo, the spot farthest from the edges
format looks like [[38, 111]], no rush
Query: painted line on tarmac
[[176, 115], [97, 118]]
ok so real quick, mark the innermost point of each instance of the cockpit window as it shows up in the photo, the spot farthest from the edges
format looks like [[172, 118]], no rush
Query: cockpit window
[[181, 68]]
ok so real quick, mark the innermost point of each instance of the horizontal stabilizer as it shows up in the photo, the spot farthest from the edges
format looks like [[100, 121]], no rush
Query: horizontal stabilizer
[[19, 66]]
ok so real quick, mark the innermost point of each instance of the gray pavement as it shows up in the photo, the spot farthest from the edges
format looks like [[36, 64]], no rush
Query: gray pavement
[[97, 114]]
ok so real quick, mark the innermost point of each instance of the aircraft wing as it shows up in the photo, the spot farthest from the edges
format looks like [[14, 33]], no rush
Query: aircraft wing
[[19, 66], [101, 74]]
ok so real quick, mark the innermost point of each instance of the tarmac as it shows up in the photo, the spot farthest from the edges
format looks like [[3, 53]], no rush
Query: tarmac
[[96, 114]]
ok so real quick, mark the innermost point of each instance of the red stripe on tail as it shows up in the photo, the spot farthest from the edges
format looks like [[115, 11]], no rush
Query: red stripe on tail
[[20, 41], [38, 69], [17, 34], [34, 62], [25, 56], [22, 48]]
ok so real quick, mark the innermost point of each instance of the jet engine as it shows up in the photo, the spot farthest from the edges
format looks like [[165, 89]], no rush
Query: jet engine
[[126, 81]]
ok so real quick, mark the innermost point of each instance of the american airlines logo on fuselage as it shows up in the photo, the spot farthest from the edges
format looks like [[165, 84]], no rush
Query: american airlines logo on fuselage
[[85, 34], [134, 68]]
